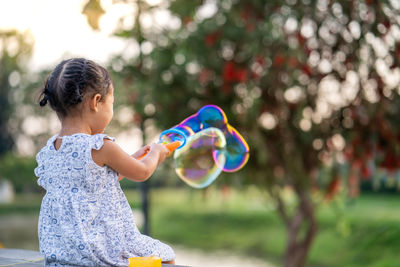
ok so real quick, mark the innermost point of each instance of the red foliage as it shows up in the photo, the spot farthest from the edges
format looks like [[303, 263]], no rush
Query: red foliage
[[186, 20], [231, 73], [354, 185], [300, 38], [292, 61], [133, 97], [228, 73], [398, 49], [306, 69], [255, 75], [387, 24], [204, 76], [250, 27], [241, 75], [365, 171], [212, 38], [279, 60], [390, 162], [226, 89], [333, 188], [260, 60], [249, 16], [137, 118], [245, 14]]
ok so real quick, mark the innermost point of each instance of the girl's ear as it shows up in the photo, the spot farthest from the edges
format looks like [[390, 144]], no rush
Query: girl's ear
[[94, 102]]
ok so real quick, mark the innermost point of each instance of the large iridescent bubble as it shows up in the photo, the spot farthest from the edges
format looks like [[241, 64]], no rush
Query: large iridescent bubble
[[231, 158], [199, 162]]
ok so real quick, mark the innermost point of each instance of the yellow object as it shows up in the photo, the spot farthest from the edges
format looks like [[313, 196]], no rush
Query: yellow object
[[145, 262]]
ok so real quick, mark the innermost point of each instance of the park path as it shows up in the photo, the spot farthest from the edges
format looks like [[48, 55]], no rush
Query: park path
[[194, 257]]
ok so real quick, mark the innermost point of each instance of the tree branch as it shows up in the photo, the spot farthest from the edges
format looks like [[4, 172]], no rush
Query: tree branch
[[309, 210], [282, 210]]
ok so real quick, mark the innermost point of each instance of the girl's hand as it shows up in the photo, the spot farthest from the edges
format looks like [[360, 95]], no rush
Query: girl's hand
[[141, 152], [162, 151], [113, 156]]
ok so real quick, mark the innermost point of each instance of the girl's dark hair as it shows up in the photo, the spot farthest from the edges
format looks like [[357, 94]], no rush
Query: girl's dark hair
[[71, 81]]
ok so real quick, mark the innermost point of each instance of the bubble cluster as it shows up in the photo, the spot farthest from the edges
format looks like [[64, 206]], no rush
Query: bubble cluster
[[209, 145]]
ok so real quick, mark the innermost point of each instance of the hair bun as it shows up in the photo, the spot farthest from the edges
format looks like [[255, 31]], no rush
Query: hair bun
[[78, 99], [43, 102], [78, 94]]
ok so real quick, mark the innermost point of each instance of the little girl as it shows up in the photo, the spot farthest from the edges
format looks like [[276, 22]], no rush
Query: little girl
[[85, 218]]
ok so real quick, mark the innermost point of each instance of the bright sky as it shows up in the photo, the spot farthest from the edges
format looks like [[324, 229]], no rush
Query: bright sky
[[60, 29]]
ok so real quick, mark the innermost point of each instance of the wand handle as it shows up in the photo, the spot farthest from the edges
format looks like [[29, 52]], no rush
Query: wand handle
[[171, 147]]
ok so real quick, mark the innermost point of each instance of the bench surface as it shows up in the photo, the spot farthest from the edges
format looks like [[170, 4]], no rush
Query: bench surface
[[29, 258]]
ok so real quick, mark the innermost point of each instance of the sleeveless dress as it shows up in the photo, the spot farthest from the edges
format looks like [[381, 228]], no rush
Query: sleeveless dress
[[85, 218]]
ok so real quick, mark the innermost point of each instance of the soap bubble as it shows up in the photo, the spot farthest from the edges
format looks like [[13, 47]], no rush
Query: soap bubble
[[237, 150], [201, 160], [172, 135], [209, 145]]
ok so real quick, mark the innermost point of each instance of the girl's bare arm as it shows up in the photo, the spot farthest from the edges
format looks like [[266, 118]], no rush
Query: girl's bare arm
[[127, 166]]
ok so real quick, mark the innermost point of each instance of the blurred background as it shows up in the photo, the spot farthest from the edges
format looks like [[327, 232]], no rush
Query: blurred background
[[312, 85]]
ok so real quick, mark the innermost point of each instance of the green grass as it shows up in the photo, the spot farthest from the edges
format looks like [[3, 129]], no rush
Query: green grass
[[365, 232], [22, 204]]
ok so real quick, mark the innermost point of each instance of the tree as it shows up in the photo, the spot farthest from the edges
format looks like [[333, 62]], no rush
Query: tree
[[311, 84], [15, 50]]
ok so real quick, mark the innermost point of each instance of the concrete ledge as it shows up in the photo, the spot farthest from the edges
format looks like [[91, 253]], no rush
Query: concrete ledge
[[28, 258], [20, 258]]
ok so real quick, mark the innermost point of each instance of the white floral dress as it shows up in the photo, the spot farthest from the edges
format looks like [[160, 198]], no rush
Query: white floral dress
[[85, 218]]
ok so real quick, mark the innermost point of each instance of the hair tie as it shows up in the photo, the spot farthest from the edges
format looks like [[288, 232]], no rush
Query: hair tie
[[78, 99], [43, 102], [78, 96]]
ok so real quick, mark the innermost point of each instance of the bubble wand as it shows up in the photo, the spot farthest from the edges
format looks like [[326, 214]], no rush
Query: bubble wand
[[178, 141]]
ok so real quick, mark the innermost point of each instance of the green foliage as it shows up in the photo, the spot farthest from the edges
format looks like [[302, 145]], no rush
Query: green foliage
[[185, 8], [19, 171], [15, 49], [292, 76]]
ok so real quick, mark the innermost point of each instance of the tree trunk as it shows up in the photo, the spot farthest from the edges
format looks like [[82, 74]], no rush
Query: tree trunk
[[302, 229]]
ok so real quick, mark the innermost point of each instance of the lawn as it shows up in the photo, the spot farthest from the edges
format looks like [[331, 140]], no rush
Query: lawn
[[364, 232]]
